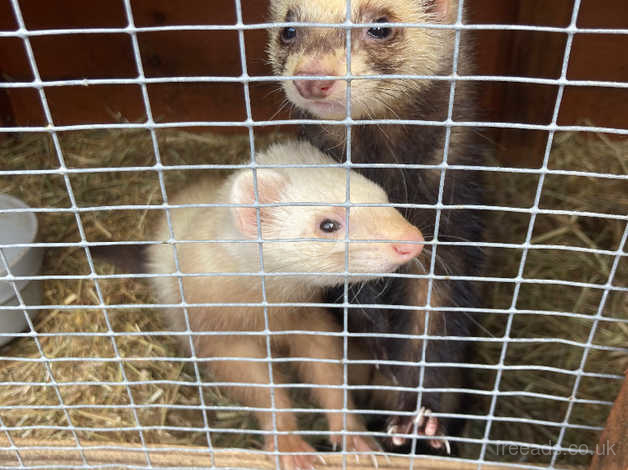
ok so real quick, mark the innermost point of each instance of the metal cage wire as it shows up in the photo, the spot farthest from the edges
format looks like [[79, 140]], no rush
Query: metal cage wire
[[250, 125]]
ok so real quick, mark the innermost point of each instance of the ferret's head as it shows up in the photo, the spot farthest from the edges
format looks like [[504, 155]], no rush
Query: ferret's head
[[295, 51], [311, 237]]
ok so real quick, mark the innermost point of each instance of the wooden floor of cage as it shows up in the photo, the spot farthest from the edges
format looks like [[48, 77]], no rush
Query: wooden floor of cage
[[57, 453]]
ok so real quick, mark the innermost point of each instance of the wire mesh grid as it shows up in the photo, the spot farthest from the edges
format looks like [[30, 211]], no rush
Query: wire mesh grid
[[161, 170]]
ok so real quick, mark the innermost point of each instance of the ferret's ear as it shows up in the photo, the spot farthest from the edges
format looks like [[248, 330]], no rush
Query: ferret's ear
[[445, 10], [269, 186]]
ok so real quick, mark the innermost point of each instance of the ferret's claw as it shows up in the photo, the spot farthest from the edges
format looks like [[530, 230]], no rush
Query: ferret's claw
[[320, 457], [447, 447], [418, 420], [426, 425], [396, 440]]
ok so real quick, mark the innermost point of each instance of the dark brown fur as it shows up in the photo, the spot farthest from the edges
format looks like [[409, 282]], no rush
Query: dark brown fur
[[421, 188]]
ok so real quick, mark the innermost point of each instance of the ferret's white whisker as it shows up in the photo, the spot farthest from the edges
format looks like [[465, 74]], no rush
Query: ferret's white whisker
[[283, 105]]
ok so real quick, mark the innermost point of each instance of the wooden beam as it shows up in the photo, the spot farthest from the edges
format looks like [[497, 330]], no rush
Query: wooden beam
[[612, 450], [196, 457]]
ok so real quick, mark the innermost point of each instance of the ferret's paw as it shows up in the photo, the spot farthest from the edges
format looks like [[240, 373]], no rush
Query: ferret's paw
[[426, 424], [294, 445], [363, 446]]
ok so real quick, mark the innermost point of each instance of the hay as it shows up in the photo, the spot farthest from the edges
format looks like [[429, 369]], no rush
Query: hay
[[593, 153], [134, 148]]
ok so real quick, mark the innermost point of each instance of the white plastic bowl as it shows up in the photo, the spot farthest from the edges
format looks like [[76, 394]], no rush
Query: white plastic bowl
[[18, 227]]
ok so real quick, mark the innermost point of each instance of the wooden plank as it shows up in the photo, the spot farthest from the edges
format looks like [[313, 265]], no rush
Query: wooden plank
[[612, 450], [7, 117], [531, 54], [517, 53], [197, 457], [110, 55], [7, 22]]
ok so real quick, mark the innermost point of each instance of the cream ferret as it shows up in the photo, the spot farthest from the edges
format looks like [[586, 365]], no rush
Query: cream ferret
[[304, 251]]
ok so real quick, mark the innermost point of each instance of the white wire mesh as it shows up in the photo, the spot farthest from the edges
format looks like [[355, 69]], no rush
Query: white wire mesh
[[251, 124]]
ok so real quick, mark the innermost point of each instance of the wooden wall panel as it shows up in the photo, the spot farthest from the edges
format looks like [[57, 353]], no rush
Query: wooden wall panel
[[606, 14], [24, 108], [72, 13], [74, 56], [72, 105], [13, 62], [161, 12], [525, 54], [534, 54], [7, 22], [188, 53], [519, 53], [597, 57]]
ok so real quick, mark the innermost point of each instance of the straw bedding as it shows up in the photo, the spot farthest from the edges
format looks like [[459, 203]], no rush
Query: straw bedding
[[170, 417]]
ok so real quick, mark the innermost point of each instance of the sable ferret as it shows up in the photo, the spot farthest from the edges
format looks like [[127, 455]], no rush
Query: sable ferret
[[319, 224], [295, 51]]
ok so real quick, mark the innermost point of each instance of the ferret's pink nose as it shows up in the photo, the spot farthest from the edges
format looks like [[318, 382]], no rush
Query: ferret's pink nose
[[407, 251], [314, 89]]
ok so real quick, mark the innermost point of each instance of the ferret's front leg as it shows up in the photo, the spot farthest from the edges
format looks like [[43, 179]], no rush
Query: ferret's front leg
[[437, 351], [324, 346], [258, 397]]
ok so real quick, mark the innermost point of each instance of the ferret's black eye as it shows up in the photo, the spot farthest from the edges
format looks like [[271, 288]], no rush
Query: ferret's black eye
[[330, 226], [379, 32], [288, 34]]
